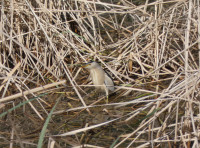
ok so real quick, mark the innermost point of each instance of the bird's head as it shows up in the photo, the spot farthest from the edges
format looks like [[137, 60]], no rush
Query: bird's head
[[91, 65]]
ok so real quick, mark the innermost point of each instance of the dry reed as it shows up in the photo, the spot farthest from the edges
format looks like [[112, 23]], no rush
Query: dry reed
[[150, 48]]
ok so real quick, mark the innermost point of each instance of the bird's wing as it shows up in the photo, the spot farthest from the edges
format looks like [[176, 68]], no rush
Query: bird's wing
[[109, 82]]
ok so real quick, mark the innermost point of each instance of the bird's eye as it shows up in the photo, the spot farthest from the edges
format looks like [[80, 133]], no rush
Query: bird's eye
[[90, 61]]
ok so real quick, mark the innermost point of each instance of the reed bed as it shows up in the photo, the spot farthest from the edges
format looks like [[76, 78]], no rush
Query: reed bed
[[150, 49]]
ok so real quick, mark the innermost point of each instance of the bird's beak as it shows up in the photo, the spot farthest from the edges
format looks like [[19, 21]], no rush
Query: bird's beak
[[84, 65]]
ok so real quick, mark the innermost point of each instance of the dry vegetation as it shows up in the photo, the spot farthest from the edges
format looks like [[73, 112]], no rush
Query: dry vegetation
[[150, 48]]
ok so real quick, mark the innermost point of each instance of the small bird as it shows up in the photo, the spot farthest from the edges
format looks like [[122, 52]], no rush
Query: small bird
[[100, 78]]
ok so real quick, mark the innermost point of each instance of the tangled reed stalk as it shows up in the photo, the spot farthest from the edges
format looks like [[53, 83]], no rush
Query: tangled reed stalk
[[150, 48]]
